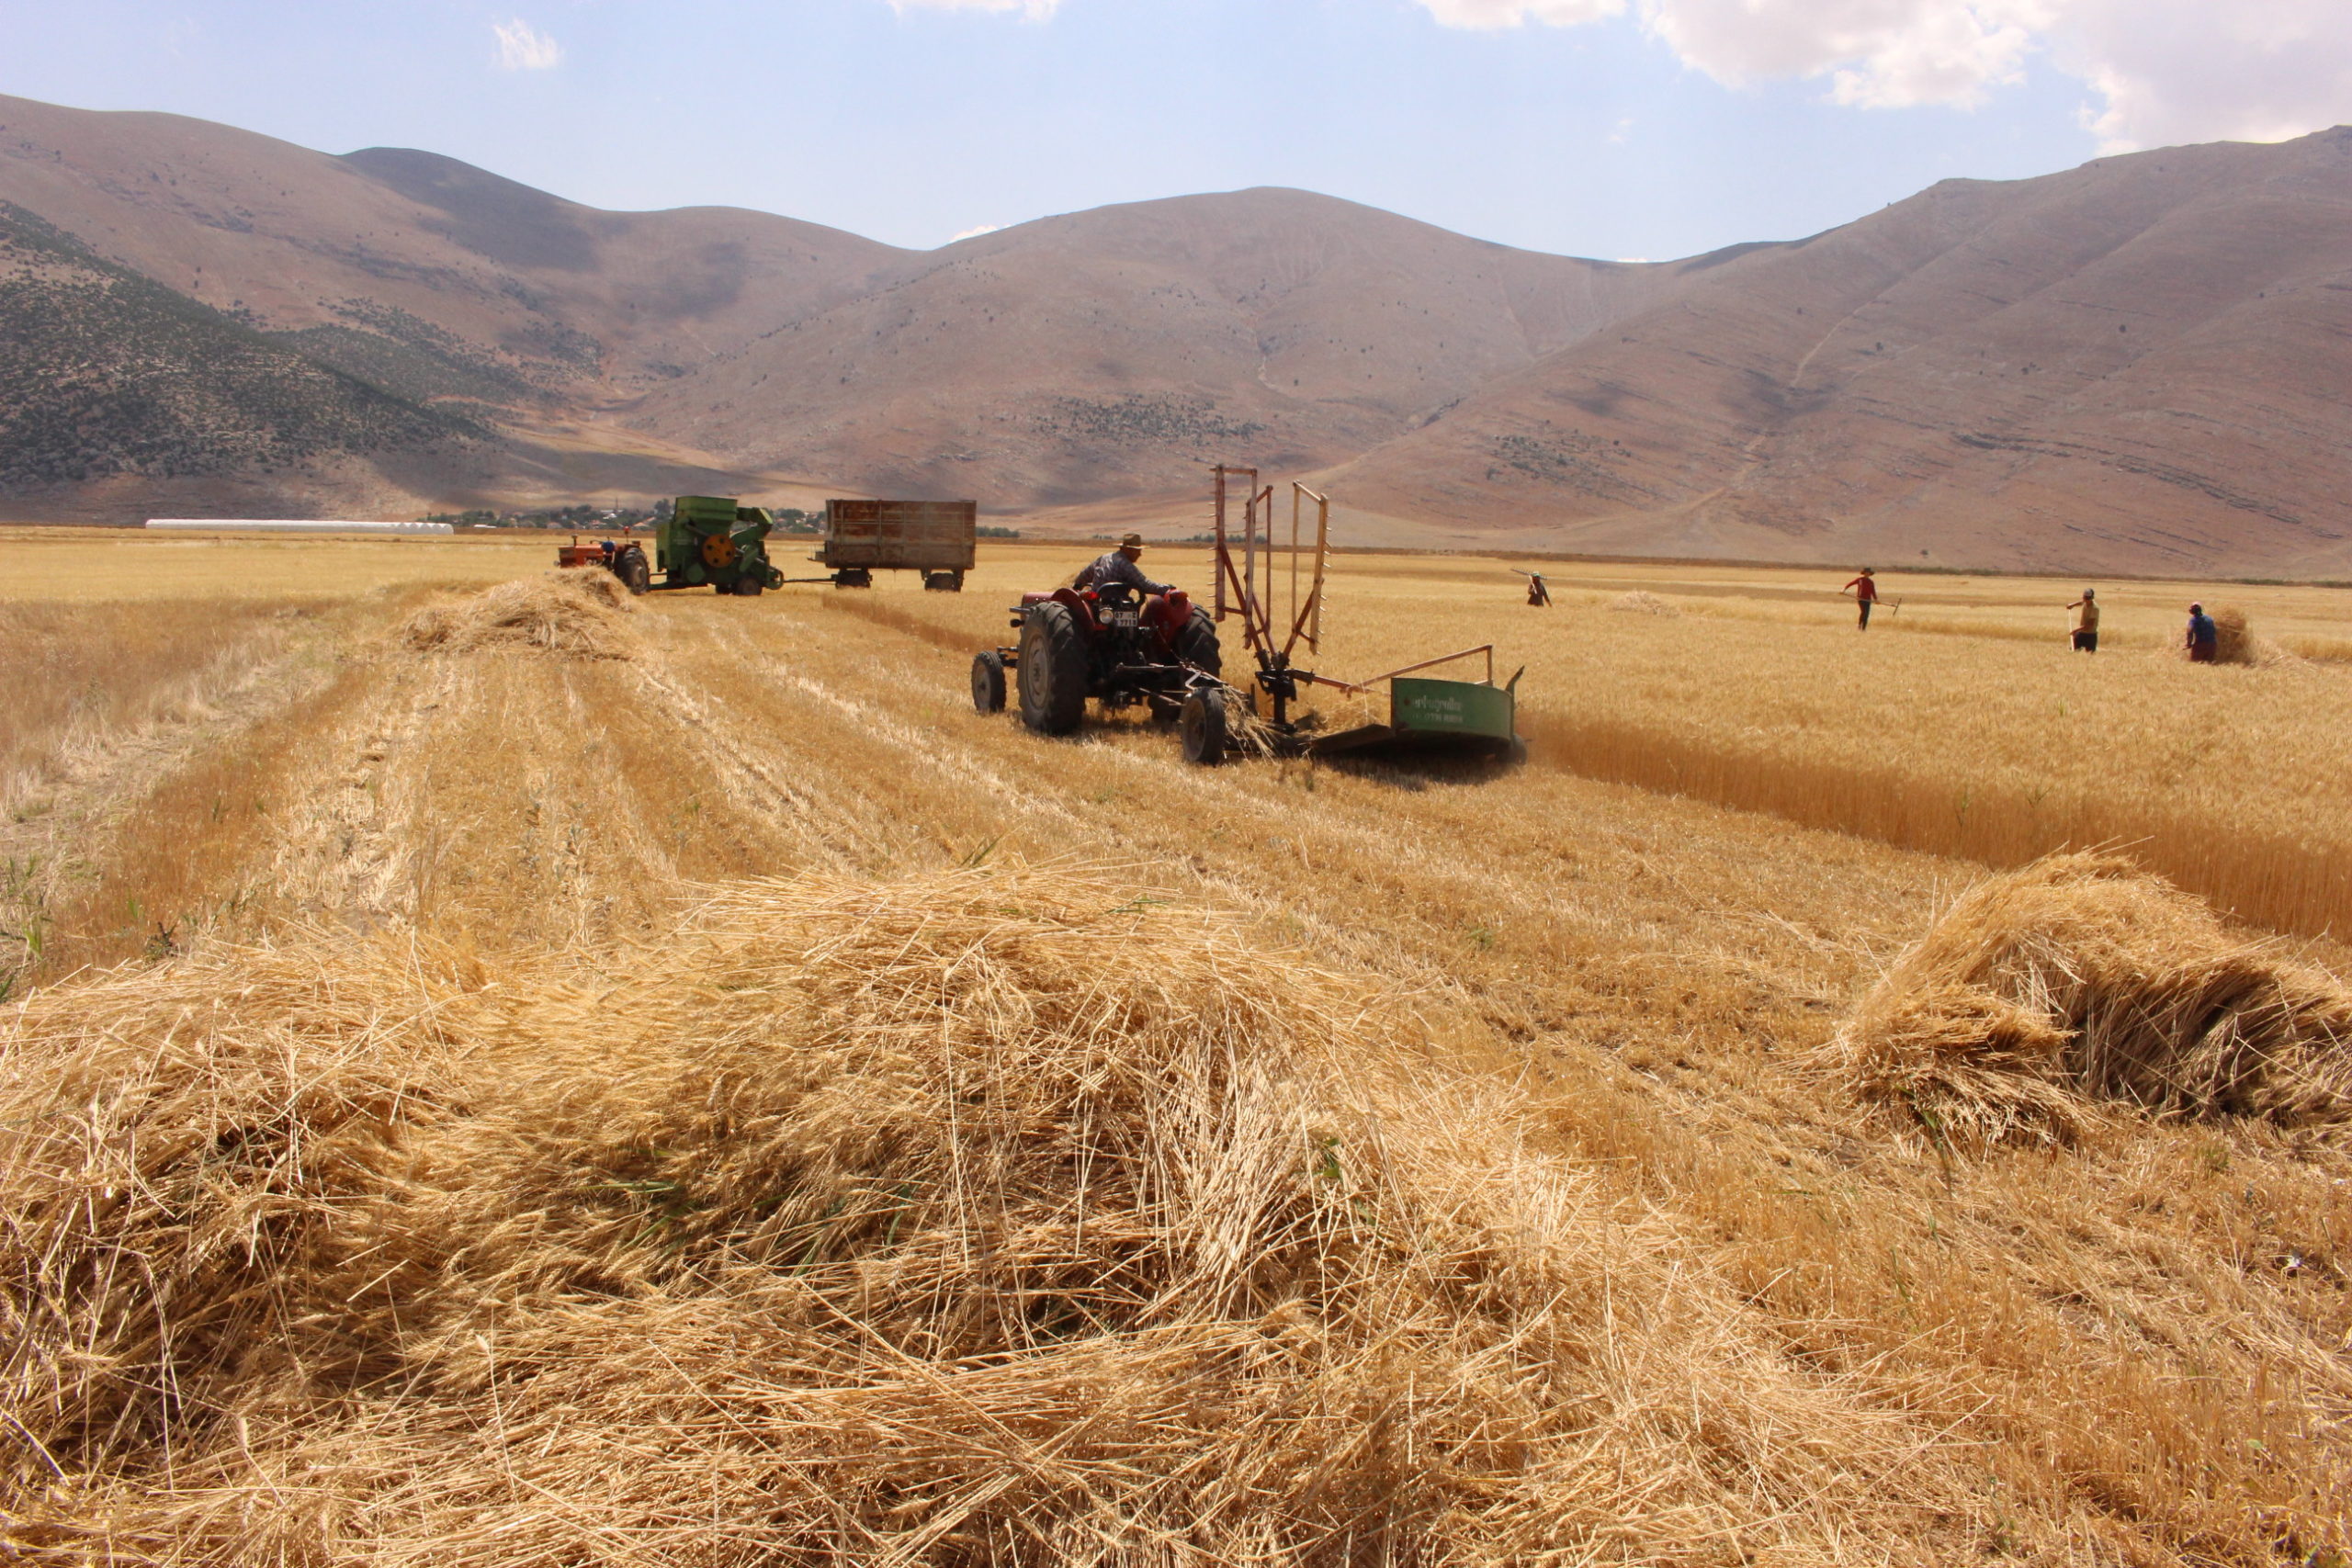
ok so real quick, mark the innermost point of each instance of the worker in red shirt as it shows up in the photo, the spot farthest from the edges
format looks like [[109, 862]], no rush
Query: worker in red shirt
[[1865, 591]]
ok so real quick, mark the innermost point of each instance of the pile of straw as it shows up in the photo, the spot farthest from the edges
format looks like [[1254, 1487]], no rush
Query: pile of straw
[[1641, 602], [2236, 642], [996, 1216], [576, 612], [2048, 998]]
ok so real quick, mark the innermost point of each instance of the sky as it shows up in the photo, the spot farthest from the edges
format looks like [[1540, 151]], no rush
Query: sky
[[1627, 129]]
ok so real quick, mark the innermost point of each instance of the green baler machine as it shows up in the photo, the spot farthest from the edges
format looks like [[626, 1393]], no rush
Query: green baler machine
[[709, 541]]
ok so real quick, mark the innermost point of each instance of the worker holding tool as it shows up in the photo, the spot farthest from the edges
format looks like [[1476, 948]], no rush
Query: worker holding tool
[[1537, 594], [1865, 591], [2204, 637], [2086, 621], [1119, 566]]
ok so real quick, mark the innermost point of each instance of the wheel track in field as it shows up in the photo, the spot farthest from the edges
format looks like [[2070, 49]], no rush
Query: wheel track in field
[[818, 823]]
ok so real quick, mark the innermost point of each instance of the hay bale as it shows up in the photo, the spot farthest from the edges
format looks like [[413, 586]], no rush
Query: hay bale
[[996, 1215], [2048, 999], [576, 612], [1641, 602], [2233, 642]]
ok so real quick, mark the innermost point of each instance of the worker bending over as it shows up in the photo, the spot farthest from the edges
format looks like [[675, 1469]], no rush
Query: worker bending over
[[1119, 566], [2204, 637]]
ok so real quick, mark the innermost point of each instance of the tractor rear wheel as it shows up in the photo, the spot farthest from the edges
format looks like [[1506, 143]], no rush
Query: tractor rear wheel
[[1201, 723], [988, 682], [1052, 668], [1195, 643], [629, 567], [749, 587]]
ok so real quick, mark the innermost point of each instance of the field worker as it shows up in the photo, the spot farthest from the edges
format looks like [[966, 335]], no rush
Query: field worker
[[2086, 621], [2204, 637], [1119, 566], [1865, 591], [1536, 592]]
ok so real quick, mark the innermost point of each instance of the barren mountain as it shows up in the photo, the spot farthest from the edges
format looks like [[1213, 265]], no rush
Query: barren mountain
[[1117, 351], [2139, 363], [433, 280], [491, 279]]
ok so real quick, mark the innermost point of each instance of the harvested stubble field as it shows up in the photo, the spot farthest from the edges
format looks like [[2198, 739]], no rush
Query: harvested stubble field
[[533, 1081]]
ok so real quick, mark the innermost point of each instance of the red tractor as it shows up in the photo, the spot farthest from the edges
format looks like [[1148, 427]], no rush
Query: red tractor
[[1106, 644], [624, 559]]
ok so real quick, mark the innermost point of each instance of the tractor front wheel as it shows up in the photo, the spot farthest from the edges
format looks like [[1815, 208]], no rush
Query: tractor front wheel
[[1202, 724], [1052, 668], [988, 682]]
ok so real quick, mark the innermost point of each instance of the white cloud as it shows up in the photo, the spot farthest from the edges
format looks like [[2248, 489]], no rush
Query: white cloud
[[2173, 71], [2159, 71], [522, 47], [1491, 15], [1030, 10], [976, 233]]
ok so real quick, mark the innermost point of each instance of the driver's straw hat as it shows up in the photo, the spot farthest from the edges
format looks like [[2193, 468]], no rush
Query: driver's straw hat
[[1132, 542]]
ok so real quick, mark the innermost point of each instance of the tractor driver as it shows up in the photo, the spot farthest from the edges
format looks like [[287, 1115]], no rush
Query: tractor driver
[[1119, 566]]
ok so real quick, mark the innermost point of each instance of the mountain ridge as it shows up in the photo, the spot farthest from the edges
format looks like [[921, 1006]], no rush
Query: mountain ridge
[[1952, 380]]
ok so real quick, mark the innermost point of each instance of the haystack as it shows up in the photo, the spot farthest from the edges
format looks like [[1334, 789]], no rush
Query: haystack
[[995, 1216], [577, 612], [2236, 642], [1641, 602], [2048, 999]]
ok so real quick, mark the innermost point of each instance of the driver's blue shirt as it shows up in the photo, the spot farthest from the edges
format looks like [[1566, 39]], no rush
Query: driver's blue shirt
[[1117, 567]]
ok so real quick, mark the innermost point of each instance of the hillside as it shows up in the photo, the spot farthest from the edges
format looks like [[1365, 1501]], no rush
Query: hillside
[[439, 261], [1116, 351], [2136, 365], [111, 376], [2132, 366]]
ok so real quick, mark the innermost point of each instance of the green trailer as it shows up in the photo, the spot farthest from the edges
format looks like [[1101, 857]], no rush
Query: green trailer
[[709, 541], [1461, 719]]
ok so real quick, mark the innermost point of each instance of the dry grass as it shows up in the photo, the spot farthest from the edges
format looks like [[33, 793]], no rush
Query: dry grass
[[2228, 781], [572, 612], [989, 1217], [75, 566], [84, 680], [2047, 995], [2123, 1348]]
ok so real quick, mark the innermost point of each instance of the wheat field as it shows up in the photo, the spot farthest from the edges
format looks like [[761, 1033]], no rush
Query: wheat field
[[667, 1082]]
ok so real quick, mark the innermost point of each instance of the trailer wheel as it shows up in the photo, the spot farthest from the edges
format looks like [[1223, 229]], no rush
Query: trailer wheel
[[1201, 722], [943, 582], [988, 682], [854, 577], [1052, 668], [749, 587], [1196, 644]]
